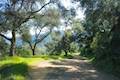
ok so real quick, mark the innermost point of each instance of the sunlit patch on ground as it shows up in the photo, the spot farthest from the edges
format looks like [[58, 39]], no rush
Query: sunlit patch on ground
[[68, 69]]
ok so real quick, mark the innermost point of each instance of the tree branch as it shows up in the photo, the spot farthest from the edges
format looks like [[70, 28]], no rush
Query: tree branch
[[41, 8], [37, 35], [2, 35], [39, 40], [20, 5], [29, 44]]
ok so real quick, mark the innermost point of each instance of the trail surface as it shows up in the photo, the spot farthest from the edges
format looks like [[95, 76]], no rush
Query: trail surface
[[68, 69]]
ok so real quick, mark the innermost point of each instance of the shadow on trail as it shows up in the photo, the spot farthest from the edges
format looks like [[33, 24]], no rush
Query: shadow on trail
[[8, 71], [69, 69]]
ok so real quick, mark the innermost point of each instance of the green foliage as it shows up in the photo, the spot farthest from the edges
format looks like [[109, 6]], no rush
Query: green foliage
[[3, 47], [65, 42], [23, 52], [62, 44], [40, 23], [102, 23], [86, 52], [77, 26], [50, 57], [69, 56], [14, 71], [51, 47], [26, 36], [14, 17], [74, 48], [51, 17]]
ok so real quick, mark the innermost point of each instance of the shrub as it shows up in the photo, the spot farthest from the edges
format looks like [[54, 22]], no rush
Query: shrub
[[23, 52]]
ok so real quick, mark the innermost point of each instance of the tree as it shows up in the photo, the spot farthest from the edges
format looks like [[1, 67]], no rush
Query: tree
[[103, 20], [48, 22], [15, 13], [63, 44], [52, 46]]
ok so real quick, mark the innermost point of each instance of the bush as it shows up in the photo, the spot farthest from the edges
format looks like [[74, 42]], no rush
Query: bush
[[69, 56], [23, 52], [86, 52]]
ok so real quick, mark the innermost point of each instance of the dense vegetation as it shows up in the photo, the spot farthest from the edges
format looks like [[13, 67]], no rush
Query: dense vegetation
[[96, 37], [102, 22]]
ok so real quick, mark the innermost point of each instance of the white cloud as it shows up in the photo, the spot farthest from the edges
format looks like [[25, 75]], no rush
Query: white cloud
[[66, 3], [80, 12]]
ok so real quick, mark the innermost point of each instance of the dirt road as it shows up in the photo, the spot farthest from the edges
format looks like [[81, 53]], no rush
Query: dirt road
[[68, 69]]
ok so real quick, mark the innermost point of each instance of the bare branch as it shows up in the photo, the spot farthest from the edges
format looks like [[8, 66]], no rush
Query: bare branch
[[41, 7], [2, 35], [41, 39], [30, 44], [20, 5], [37, 35]]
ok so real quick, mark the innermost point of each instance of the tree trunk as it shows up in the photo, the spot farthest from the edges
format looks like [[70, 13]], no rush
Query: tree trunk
[[66, 53], [33, 49], [13, 44], [33, 52]]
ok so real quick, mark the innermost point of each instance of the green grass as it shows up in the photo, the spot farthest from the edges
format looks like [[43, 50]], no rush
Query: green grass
[[18, 71], [16, 68]]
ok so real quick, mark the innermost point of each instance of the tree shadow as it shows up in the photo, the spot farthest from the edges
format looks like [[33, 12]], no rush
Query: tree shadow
[[69, 70], [62, 73], [80, 64], [7, 71]]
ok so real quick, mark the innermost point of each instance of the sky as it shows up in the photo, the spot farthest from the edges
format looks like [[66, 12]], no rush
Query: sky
[[67, 4], [80, 12]]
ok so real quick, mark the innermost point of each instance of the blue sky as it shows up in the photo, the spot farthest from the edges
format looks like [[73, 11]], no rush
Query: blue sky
[[2, 2]]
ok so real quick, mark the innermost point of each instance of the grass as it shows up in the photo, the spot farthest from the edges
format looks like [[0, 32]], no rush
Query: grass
[[16, 68], [18, 71]]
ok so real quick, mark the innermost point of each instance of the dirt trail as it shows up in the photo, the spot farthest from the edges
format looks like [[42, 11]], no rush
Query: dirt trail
[[68, 69]]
